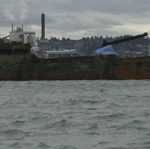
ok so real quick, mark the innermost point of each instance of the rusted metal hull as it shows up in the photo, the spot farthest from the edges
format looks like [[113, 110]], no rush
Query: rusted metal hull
[[74, 68]]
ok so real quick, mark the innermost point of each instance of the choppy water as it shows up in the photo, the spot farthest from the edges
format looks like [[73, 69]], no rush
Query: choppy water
[[75, 114]]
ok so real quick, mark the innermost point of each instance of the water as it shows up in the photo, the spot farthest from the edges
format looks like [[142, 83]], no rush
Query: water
[[75, 114]]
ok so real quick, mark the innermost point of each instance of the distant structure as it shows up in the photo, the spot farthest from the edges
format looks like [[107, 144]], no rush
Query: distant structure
[[42, 26], [148, 50], [43, 42], [62, 53], [19, 35]]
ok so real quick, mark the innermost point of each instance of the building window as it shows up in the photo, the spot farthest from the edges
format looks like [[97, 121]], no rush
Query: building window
[[21, 37]]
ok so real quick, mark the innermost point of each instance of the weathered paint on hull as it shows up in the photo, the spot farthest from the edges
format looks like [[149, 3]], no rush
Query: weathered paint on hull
[[74, 68]]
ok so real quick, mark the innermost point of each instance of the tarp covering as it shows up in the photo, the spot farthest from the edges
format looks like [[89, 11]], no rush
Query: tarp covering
[[107, 50]]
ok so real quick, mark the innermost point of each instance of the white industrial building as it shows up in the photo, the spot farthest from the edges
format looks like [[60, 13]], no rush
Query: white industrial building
[[19, 35]]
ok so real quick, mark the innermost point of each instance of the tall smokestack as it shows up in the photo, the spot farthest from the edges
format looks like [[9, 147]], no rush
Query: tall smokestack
[[42, 26], [12, 28], [22, 27]]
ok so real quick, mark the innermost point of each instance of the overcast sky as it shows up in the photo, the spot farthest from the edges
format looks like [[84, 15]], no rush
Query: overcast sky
[[77, 18]]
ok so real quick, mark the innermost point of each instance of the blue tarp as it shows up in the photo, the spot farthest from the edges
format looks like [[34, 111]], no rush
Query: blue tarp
[[107, 50]]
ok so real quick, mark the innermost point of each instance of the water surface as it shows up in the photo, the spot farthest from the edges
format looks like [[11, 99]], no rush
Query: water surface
[[75, 114]]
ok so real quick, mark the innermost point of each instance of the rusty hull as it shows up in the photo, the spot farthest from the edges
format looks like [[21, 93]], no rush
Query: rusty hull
[[73, 68]]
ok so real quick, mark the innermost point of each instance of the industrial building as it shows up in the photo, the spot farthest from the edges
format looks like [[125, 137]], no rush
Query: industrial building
[[19, 35]]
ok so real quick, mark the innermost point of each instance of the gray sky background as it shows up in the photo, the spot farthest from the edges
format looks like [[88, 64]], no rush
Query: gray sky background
[[77, 18]]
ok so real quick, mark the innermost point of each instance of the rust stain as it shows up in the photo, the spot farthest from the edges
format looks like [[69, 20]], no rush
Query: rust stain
[[81, 68]]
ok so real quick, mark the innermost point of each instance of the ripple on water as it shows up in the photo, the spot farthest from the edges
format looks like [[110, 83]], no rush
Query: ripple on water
[[75, 114], [43, 145], [66, 147], [18, 123], [14, 134], [58, 124]]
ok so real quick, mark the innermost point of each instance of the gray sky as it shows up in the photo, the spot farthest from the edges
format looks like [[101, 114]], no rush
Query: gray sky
[[77, 18]]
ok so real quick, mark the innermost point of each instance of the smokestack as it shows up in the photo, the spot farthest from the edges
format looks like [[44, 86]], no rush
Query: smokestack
[[12, 28], [42, 26], [22, 27]]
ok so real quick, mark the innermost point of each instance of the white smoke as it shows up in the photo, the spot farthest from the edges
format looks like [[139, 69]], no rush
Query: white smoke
[[22, 11], [16, 11], [8, 11]]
